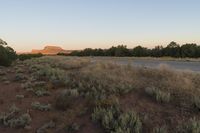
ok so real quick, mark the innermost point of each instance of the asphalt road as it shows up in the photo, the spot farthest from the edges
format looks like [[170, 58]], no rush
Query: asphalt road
[[153, 63]]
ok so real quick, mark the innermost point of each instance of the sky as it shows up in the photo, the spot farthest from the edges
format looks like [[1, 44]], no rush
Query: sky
[[78, 24]]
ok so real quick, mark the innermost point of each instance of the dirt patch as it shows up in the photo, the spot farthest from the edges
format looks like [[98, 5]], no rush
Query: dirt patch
[[154, 114]]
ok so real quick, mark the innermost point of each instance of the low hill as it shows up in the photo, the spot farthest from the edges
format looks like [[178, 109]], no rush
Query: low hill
[[51, 50]]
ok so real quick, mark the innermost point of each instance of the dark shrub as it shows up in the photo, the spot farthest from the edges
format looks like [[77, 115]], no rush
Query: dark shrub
[[66, 99], [23, 57], [7, 54]]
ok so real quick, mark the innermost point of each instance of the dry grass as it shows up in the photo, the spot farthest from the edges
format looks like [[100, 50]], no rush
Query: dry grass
[[182, 85], [74, 84]]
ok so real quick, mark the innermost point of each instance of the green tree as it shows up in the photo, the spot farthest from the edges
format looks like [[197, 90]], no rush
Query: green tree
[[189, 50], [3, 42], [7, 54], [140, 51], [111, 51], [122, 50], [157, 51], [173, 50]]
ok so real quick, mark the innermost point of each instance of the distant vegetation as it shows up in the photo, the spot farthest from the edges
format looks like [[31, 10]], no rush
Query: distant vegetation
[[171, 50], [7, 54], [29, 56]]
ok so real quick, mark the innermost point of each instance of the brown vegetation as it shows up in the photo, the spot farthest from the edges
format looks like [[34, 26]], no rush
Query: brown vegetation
[[65, 94]]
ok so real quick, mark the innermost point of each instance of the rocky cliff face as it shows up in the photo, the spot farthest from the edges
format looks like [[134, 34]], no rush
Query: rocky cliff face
[[51, 50]]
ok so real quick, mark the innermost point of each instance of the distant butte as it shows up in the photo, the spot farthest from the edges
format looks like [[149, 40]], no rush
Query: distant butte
[[51, 50]]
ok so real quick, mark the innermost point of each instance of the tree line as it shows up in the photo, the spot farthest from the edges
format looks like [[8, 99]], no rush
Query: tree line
[[173, 49]]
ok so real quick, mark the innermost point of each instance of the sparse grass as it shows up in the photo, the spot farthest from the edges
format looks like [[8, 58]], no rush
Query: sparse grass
[[41, 107], [191, 126], [196, 101], [46, 126], [2, 73], [12, 119], [41, 92], [160, 96], [21, 121], [160, 130], [113, 120], [19, 77], [19, 96]]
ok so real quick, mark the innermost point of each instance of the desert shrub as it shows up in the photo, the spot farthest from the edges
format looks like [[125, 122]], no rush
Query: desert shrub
[[162, 96], [26, 85], [4, 79], [19, 96], [6, 82], [10, 119], [160, 130], [71, 128], [20, 77], [66, 98], [2, 73], [192, 126], [41, 107], [39, 84], [23, 57], [130, 122], [21, 121], [56, 76], [113, 120], [38, 88], [159, 95], [46, 126], [196, 102], [7, 54], [33, 84], [34, 68], [19, 70], [106, 117], [41, 92], [14, 108]]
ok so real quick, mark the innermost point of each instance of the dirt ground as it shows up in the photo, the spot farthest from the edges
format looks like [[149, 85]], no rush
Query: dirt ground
[[8, 92]]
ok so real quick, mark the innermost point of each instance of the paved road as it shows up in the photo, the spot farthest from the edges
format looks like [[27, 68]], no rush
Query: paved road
[[180, 65]]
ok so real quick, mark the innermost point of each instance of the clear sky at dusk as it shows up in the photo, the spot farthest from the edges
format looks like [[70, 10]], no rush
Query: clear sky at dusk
[[77, 24]]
